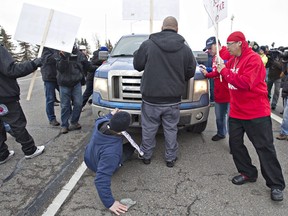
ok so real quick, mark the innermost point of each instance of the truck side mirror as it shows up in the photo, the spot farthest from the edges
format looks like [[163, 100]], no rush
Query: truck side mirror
[[103, 55]]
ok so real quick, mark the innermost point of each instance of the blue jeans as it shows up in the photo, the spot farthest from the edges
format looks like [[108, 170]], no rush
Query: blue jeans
[[68, 96], [50, 88], [221, 112], [284, 125]]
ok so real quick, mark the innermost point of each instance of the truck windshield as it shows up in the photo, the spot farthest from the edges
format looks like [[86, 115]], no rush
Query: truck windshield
[[126, 46]]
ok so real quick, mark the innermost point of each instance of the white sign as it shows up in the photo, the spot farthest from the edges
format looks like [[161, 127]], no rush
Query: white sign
[[216, 9], [140, 9], [47, 27]]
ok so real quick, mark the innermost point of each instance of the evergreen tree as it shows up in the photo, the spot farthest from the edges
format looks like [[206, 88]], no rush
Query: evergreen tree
[[26, 52], [5, 39]]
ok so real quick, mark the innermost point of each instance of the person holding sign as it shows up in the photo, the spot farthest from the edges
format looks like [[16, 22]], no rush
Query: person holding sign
[[106, 152], [221, 91], [250, 114], [10, 109]]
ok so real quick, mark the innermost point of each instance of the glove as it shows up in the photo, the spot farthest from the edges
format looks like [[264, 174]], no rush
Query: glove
[[38, 62]]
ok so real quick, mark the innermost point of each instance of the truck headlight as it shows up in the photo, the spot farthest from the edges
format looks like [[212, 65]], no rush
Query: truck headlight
[[200, 87], [101, 86]]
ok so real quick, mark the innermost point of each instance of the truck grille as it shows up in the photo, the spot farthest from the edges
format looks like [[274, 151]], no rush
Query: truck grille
[[124, 86]]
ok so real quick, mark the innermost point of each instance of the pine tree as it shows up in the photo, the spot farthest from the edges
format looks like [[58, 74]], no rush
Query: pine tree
[[5, 39], [26, 52]]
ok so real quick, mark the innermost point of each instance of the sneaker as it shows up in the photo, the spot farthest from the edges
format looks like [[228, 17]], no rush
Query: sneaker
[[282, 137], [76, 126], [276, 194], [217, 137], [56, 104], [11, 154], [54, 122], [171, 163], [39, 150], [64, 130], [90, 101]]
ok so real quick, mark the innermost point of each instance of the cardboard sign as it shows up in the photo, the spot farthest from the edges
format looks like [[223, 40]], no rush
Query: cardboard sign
[[141, 10], [216, 9], [47, 27]]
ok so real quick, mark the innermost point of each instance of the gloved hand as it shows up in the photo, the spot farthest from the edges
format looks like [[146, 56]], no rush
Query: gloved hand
[[38, 62]]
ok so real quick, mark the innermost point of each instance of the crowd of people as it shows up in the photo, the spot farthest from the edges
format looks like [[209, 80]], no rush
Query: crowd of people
[[243, 77]]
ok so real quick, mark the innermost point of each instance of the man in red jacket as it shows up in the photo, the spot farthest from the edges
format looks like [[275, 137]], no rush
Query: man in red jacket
[[250, 113], [221, 90]]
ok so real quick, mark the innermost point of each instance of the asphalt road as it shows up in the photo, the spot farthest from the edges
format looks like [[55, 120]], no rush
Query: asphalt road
[[199, 184]]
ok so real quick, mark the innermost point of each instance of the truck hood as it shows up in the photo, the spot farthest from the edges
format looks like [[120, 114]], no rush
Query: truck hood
[[126, 63]]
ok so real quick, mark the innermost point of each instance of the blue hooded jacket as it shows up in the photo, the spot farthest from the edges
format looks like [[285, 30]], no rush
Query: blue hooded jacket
[[103, 155]]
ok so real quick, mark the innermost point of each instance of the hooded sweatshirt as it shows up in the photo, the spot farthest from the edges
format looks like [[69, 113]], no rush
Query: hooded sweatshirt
[[103, 155], [221, 90], [245, 75], [167, 63]]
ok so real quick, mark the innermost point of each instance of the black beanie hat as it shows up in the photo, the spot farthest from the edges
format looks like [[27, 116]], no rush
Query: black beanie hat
[[120, 121]]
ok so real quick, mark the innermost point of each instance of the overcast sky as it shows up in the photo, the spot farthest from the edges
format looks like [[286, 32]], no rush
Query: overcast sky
[[261, 20]]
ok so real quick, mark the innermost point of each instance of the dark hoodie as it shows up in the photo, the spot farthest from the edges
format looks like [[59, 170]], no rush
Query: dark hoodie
[[167, 63]]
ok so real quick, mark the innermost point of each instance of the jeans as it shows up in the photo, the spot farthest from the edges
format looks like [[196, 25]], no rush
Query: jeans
[[284, 125], [50, 88], [277, 86], [70, 96], [259, 132], [221, 112], [152, 116]]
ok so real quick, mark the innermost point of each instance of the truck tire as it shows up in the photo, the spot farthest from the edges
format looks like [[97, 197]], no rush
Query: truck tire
[[197, 128]]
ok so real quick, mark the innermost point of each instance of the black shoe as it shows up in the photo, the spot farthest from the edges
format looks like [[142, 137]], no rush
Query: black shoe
[[90, 101], [241, 179], [171, 163], [273, 107], [217, 138], [144, 160], [276, 194], [282, 112]]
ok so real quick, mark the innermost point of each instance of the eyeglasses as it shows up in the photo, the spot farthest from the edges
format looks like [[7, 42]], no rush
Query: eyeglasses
[[230, 43]]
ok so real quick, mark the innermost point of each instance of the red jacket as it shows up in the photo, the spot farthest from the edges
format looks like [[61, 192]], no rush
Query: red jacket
[[248, 90], [221, 90]]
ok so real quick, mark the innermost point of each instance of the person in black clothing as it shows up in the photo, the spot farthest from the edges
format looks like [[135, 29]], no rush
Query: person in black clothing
[[10, 109], [48, 71], [96, 62], [70, 72], [167, 63]]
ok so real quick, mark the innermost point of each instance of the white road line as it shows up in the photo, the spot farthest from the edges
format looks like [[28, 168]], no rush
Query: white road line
[[64, 193], [61, 197], [276, 118]]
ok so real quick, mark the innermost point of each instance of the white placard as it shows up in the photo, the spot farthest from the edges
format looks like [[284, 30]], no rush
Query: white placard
[[34, 26], [216, 9], [140, 9]]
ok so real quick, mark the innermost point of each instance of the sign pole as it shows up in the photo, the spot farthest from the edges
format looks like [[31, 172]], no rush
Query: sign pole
[[40, 52]]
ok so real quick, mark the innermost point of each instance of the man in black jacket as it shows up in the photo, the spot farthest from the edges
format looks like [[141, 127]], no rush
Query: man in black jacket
[[10, 108], [167, 63], [48, 71]]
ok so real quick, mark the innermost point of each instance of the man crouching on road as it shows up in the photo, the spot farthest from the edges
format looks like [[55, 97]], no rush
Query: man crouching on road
[[105, 153]]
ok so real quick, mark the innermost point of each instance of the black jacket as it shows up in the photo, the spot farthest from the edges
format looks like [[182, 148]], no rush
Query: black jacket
[[167, 63], [71, 68], [48, 69], [9, 72]]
